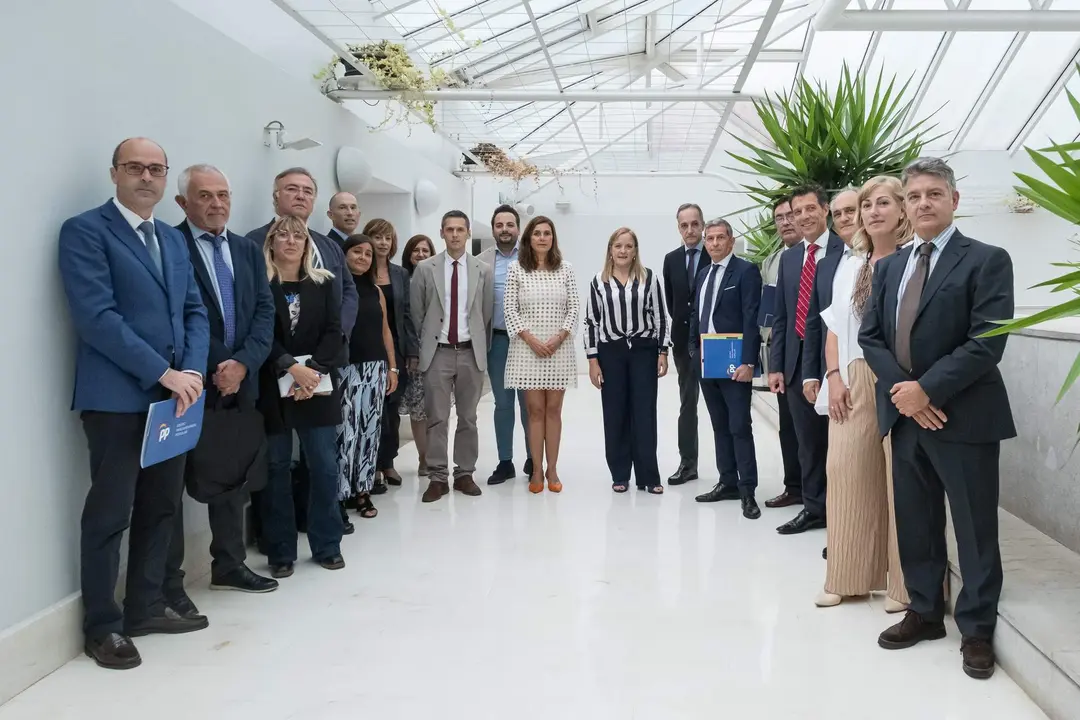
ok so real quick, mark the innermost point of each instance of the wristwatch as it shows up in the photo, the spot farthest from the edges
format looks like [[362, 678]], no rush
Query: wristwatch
[[394, 370]]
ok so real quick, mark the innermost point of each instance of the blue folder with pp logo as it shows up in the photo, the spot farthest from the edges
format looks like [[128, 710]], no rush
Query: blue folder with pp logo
[[721, 355], [166, 435]]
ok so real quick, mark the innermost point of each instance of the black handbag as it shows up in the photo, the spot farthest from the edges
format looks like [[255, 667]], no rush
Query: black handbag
[[230, 457]]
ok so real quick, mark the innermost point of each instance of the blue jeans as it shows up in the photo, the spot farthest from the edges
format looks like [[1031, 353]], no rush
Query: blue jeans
[[324, 526], [504, 400]]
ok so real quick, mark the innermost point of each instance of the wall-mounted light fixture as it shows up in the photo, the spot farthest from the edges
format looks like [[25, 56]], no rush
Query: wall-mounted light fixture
[[274, 136], [354, 172], [425, 197]]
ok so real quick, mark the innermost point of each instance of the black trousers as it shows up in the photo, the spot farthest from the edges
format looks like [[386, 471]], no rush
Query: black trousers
[[121, 496], [226, 543], [729, 409], [689, 370], [628, 396], [789, 450], [389, 432], [812, 431], [925, 471]]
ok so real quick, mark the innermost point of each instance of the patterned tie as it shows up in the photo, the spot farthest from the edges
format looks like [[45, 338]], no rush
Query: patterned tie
[[691, 267], [806, 285], [225, 288], [152, 247], [707, 306], [452, 334], [909, 305]]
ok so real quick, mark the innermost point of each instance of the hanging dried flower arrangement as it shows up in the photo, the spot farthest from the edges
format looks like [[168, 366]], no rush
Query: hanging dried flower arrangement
[[500, 164]]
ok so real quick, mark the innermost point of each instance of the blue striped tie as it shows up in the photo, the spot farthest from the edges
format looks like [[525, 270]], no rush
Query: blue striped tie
[[225, 288]]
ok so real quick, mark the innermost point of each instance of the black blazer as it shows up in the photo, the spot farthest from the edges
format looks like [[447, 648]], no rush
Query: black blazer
[[254, 313], [344, 287], [820, 298], [318, 333], [736, 306], [786, 346], [679, 294], [404, 330], [337, 236], [970, 287]]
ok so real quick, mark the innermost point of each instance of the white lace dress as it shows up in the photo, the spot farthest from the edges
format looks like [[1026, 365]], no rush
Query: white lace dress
[[542, 302]]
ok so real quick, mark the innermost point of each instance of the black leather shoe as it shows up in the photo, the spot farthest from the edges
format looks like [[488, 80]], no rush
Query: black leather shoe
[[910, 631], [334, 562], [978, 657], [283, 570], [802, 522], [684, 474], [183, 606], [168, 623], [718, 493], [347, 528], [824, 553], [528, 469], [750, 509], [244, 580], [503, 471], [784, 499], [379, 486], [113, 652]]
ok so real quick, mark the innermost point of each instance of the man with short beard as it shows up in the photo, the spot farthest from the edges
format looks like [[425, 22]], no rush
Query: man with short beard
[[505, 225]]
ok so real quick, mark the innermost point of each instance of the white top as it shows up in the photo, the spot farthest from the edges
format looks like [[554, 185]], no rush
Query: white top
[[462, 299], [717, 269], [840, 318]]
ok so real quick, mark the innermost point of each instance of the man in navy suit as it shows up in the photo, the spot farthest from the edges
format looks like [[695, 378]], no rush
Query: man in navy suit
[[231, 274], [344, 214], [681, 269], [142, 337], [796, 347], [726, 300]]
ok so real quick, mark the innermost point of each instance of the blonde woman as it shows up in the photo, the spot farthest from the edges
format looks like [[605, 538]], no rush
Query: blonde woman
[[541, 306], [627, 335], [307, 323], [862, 550]]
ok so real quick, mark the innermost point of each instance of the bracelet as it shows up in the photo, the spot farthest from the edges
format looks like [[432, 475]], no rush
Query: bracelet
[[834, 370], [394, 370]]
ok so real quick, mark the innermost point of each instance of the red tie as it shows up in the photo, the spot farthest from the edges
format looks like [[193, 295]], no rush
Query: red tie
[[806, 285], [451, 335]]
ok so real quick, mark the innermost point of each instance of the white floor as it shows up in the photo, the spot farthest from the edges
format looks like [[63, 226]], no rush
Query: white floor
[[586, 605]]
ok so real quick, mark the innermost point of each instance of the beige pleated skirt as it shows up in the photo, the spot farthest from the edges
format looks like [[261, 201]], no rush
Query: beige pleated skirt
[[863, 555]]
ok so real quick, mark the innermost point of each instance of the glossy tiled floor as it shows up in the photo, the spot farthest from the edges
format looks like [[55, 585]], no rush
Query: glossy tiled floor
[[586, 605]]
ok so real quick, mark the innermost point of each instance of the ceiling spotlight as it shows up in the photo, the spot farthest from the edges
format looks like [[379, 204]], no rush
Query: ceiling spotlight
[[274, 136]]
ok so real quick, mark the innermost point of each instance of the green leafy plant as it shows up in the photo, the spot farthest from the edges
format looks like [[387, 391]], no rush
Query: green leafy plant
[[762, 240], [832, 138], [1060, 194]]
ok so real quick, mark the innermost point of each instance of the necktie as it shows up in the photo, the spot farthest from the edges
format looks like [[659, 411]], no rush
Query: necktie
[[909, 305], [691, 267], [152, 247], [225, 288], [707, 306], [806, 285], [451, 335]]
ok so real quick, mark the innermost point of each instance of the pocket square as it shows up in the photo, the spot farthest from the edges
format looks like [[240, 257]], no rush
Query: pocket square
[[729, 287]]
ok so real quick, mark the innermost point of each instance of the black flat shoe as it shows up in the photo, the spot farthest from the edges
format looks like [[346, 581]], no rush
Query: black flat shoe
[[527, 470], [503, 471], [750, 509], [183, 606], [168, 623], [684, 474], [379, 487], [334, 562], [113, 652], [347, 528], [718, 493], [283, 570], [243, 579], [802, 522]]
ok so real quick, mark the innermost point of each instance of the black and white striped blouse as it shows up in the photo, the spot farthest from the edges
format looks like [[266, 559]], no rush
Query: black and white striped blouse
[[633, 312]]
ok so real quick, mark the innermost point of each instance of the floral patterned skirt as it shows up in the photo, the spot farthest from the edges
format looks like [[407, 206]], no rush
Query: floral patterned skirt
[[363, 390]]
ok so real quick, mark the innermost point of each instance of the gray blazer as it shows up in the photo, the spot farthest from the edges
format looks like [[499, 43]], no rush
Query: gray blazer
[[428, 292]]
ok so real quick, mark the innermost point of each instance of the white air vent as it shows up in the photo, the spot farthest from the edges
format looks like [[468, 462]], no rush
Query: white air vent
[[562, 205]]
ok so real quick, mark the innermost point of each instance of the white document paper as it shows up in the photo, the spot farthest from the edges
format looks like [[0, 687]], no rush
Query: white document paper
[[285, 382]]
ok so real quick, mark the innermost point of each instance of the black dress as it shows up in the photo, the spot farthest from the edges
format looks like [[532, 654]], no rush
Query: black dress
[[391, 419]]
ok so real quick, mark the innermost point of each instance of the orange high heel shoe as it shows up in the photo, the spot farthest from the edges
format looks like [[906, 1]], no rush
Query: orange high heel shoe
[[555, 485], [536, 486]]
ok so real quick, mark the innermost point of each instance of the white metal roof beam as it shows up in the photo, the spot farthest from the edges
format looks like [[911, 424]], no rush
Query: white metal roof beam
[[744, 74], [931, 71], [396, 8], [875, 39], [953, 20], [1065, 73], [551, 95]]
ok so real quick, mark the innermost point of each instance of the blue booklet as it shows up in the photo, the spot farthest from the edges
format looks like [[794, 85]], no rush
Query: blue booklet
[[166, 435], [721, 354]]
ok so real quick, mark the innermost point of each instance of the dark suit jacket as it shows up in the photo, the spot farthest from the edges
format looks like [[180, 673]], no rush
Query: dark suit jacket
[[735, 309], [336, 235], [254, 313], [970, 287], [133, 322], [318, 333], [820, 298], [679, 294], [344, 287], [404, 330], [787, 347]]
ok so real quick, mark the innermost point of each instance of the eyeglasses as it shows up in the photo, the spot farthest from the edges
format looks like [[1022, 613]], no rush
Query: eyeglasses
[[137, 169]]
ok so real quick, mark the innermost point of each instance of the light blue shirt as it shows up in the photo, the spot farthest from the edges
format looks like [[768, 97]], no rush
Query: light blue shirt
[[502, 265], [206, 250], [939, 244]]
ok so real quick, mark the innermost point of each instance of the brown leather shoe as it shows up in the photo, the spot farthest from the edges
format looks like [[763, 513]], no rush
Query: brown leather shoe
[[910, 631], [466, 485], [435, 490], [784, 499], [978, 657]]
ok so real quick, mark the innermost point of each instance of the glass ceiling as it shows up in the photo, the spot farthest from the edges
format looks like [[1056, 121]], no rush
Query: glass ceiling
[[991, 90]]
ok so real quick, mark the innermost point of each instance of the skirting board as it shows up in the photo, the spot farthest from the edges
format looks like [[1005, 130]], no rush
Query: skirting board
[[45, 642]]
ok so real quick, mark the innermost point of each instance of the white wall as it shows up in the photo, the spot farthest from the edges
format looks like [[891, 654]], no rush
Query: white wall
[[115, 68]]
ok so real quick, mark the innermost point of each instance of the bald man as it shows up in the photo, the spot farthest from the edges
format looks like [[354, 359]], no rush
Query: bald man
[[344, 213], [844, 209]]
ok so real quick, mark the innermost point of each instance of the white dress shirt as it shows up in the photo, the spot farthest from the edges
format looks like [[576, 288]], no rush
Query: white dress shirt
[[463, 295], [206, 251], [909, 270], [717, 269], [822, 246], [839, 317], [133, 219]]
